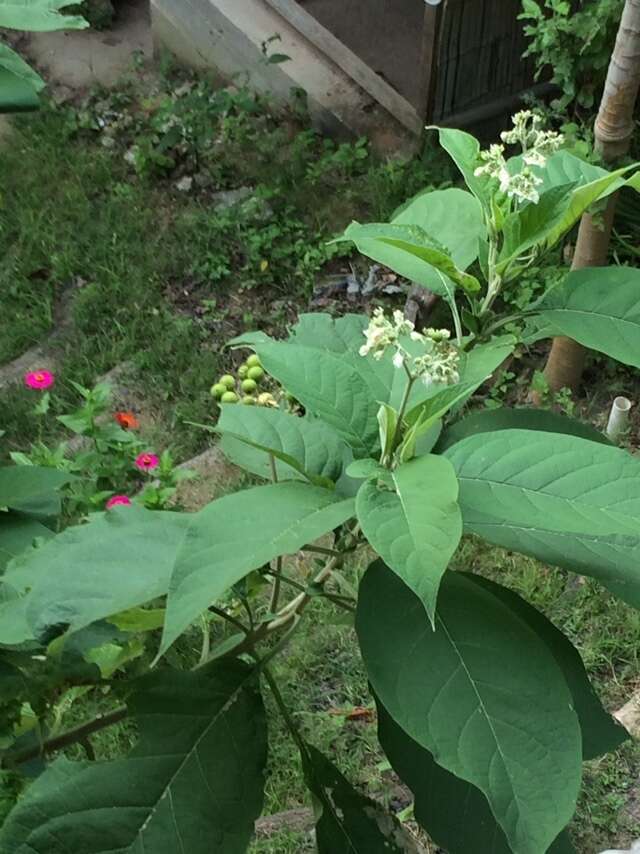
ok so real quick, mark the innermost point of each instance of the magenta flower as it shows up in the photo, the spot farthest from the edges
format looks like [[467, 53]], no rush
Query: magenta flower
[[147, 462], [39, 380], [116, 500]]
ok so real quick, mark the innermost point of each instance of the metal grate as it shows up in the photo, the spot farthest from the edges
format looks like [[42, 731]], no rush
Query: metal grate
[[480, 61]]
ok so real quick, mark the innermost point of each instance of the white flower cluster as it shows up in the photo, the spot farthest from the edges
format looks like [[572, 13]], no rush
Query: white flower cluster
[[438, 363], [536, 145], [382, 333]]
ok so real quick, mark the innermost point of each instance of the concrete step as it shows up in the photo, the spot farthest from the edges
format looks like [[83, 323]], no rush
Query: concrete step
[[228, 36]]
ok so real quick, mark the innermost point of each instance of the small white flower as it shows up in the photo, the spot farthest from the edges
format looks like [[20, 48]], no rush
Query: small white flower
[[437, 364], [505, 179], [440, 362], [535, 158], [536, 144], [493, 162]]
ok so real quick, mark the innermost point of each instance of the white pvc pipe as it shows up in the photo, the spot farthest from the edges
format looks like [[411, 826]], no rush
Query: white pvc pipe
[[618, 418]]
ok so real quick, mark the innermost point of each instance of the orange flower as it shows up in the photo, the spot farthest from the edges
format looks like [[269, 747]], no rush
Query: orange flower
[[127, 420]]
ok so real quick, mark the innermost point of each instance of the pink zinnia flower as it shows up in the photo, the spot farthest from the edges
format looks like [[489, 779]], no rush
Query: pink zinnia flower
[[115, 500], [39, 380], [146, 462]]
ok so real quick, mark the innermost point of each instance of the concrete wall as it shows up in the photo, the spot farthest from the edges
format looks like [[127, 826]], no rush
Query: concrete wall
[[227, 35]]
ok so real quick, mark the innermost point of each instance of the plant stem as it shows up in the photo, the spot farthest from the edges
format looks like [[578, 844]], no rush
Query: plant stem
[[66, 739], [494, 280], [225, 616], [287, 613], [286, 580], [274, 472], [397, 436], [206, 639], [320, 550], [284, 711], [275, 593]]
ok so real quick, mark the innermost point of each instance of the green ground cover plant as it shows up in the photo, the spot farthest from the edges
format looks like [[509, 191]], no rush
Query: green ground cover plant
[[572, 44], [366, 463], [158, 276]]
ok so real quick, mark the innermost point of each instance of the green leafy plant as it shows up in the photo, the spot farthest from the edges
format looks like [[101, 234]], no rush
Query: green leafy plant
[[516, 210], [364, 461], [19, 83], [573, 42], [106, 458], [362, 455]]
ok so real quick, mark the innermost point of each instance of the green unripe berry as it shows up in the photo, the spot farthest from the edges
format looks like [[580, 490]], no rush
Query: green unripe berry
[[248, 400], [229, 397], [228, 381], [255, 373], [254, 361], [249, 386], [242, 371], [218, 390]]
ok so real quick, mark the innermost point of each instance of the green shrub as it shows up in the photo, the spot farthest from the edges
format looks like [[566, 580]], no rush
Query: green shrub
[[575, 43]]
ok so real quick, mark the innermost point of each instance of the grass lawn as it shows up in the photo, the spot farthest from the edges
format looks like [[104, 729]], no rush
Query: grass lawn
[[121, 200]]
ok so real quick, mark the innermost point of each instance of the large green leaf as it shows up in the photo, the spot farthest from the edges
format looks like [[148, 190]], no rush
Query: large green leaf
[[564, 176], [193, 784], [32, 489], [464, 150], [19, 83], [131, 556], [30, 494], [563, 167], [600, 308], [504, 418], [343, 390], [454, 215], [303, 448], [411, 252], [415, 528], [337, 334], [38, 16], [17, 533], [482, 693], [348, 822], [531, 225], [567, 501], [455, 814], [242, 532], [601, 733], [14, 629], [89, 572]]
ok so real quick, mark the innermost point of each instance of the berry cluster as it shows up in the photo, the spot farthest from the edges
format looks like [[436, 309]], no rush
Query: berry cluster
[[245, 388]]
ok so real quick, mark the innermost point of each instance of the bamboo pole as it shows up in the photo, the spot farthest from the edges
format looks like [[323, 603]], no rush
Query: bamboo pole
[[613, 131]]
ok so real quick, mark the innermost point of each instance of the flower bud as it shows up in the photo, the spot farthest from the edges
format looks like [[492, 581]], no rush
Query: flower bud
[[218, 390], [255, 373]]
